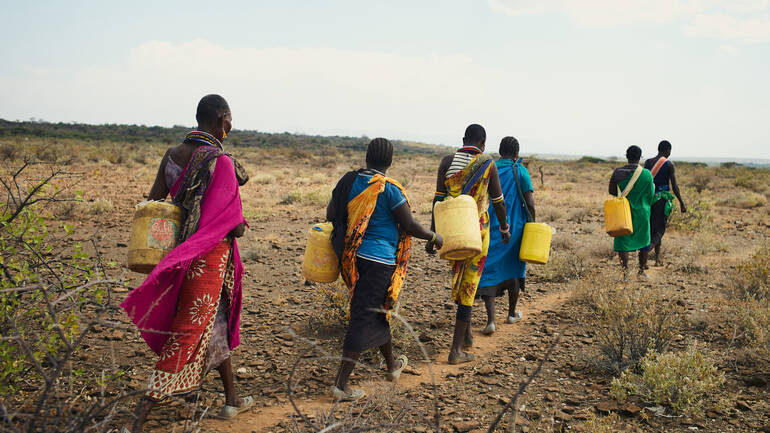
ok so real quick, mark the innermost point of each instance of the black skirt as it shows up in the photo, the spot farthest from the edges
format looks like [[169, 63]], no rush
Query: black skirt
[[499, 289], [658, 221], [368, 328]]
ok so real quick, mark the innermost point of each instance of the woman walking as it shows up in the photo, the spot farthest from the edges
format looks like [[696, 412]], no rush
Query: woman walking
[[373, 225], [504, 271], [470, 171], [188, 308]]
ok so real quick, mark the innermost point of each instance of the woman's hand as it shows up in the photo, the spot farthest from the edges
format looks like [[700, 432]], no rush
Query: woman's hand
[[238, 230], [434, 244], [505, 233]]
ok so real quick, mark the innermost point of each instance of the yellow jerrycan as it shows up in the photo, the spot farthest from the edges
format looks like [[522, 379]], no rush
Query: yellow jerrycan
[[617, 217], [617, 210], [457, 221], [154, 234], [320, 263], [535, 243]]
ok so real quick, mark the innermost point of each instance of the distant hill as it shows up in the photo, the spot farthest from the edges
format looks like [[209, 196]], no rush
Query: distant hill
[[160, 134]]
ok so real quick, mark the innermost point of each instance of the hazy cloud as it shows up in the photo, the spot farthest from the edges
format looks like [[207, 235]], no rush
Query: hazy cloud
[[736, 20]]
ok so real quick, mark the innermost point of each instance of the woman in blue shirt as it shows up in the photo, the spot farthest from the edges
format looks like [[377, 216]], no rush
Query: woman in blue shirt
[[371, 212]]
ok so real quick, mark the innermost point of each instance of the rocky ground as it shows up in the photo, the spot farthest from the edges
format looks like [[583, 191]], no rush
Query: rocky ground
[[283, 325]]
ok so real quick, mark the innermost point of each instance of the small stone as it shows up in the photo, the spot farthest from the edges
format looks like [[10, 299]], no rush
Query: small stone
[[464, 427], [607, 406], [742, 405], [757, 381], [485, 370], [630, 409]]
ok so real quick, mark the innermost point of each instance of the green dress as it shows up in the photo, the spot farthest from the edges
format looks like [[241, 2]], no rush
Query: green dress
[[640, 199]]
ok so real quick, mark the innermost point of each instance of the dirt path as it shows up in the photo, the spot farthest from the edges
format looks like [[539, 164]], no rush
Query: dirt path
[[262, 419]]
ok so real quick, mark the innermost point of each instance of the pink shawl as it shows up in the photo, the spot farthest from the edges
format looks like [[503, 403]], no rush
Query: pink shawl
[[152, 305]]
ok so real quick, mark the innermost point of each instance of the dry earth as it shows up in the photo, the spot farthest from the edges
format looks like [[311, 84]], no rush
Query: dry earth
[[286, 196]]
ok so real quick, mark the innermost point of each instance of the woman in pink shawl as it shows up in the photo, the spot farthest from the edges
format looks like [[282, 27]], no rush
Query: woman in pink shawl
[[188, 308]]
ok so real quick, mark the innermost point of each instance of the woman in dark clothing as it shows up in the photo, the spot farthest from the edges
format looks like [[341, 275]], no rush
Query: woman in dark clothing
[[664, 177], [373, 212]]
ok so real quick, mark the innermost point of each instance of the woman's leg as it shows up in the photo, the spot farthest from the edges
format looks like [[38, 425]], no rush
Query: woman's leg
[[643, 255], [225, 370], [489, 303], [387, 353], [346, 367], [623, 259], [461, 328], [513, 297]]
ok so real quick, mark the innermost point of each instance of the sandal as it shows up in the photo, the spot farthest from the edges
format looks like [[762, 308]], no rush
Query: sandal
[[460, 357], [489, 329], [392, 376], [349, 394], [515, 318], [230, 412]]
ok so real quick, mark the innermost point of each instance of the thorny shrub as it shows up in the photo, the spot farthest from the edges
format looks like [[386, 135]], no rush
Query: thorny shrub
[[701, 180], [562, 266], [310, 197], [751, 278], [52, 294], [745, 200], [679, 381], [332, 304], [629, 322], [751, 285], [698, 216]]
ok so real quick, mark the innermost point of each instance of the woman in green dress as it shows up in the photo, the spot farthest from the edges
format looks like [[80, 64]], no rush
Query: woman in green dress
[[640, 198]]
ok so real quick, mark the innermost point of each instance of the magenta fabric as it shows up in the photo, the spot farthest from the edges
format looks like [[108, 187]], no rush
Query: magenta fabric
[[152, 305]]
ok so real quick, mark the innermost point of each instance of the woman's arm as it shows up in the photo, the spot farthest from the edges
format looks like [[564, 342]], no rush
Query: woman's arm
[[412, 227], [675, 187], [159, 189]]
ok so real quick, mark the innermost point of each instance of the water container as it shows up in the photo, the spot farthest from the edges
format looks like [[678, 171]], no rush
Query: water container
[[535, 243], [154, 234], [457, 221], [320, 263], [617, 217]]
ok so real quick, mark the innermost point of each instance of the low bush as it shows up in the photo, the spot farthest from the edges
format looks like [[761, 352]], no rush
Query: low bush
[[679, 381], [332, 305], [752, 323], [699, 214], [263, 178], [314, 197], [100, 206], [751, 278], [562, 266], [745, 200], [9, 151], [701, 180], [629, 322]]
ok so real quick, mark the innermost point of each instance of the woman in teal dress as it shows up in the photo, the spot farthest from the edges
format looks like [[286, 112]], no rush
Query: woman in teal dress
[[503, 270]]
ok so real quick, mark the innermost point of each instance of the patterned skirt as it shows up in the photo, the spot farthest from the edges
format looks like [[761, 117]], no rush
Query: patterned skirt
[[187, 355], [467, 273]]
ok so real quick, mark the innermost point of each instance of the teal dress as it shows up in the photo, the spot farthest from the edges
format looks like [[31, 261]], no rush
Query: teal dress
[[503, 264]]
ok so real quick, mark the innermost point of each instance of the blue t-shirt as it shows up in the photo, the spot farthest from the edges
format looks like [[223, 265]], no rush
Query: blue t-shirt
[[380, 240]]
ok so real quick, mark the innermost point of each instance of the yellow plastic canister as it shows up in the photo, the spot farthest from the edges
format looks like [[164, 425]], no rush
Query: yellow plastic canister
[[154, 234], [535, 243], [457, 221], [617, 217], [320, 263]]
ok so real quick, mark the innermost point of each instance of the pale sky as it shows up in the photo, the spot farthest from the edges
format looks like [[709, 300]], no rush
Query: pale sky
[[582, 77]]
